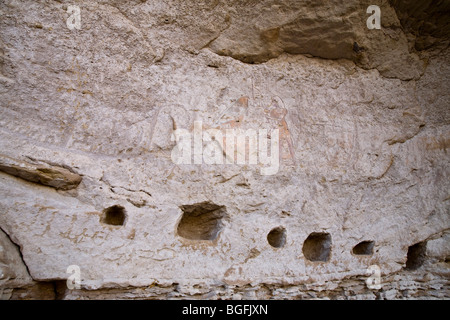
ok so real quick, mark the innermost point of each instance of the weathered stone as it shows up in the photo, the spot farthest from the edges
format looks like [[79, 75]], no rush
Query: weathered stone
[[426, 20], [363, 127], [52, 176], [13, 271]]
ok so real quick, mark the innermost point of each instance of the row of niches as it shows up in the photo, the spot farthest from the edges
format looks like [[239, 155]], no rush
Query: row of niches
[[203, 222]]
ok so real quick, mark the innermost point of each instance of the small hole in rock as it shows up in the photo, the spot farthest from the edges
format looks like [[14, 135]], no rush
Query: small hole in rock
[[277, 237], [201, 221], [317, 247], [60, 289], [416, 256], [114, 216], [364, 248]]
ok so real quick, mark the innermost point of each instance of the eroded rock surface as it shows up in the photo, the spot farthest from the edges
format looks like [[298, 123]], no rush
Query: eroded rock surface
[[52, 176], [364, 132]]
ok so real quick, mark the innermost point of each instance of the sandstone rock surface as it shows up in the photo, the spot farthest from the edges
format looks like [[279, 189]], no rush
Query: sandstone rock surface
[[52, 176], [364, 131]]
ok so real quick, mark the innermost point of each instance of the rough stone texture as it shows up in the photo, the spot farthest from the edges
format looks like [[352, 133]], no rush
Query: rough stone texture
[[14, 275], [364, 136], [52, 176]]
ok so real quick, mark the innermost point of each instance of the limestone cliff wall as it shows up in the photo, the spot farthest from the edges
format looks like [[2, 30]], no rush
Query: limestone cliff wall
[[90, 105]]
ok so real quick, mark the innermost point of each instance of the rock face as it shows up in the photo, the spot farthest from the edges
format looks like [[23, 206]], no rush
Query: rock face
[[52, 176], [355, 205]]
